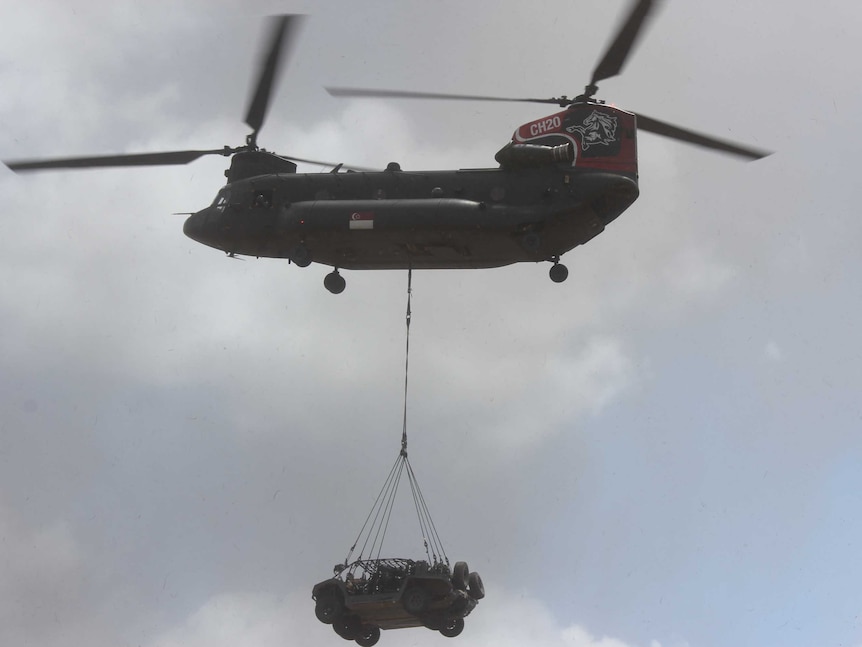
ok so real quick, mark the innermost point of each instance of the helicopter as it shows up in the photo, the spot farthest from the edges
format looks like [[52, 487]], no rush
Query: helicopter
[[561, 180]]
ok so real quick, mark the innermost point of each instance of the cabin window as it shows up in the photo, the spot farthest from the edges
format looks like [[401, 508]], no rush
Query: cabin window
[[262, 198]]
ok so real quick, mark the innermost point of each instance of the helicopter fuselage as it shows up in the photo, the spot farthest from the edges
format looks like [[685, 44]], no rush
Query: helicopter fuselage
[[425, 220], [562, 179]]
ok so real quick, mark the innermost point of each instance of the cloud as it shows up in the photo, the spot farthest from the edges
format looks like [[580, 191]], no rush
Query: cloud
[[580, 379], [504, 619], [40, 575], [697, 271]]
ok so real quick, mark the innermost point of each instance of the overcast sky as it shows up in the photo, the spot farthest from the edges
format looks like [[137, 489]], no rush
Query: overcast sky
[[662, 451]]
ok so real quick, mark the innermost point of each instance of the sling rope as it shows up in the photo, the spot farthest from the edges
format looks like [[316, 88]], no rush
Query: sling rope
[[381, 511], [407, 361]]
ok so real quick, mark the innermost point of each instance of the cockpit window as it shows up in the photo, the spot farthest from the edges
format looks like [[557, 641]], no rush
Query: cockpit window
[[222, 199]]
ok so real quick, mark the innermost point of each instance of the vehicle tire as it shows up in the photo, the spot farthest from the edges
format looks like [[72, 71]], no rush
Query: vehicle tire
[[327, 608], [453, 627], [459, 575], [347, 627], [414, 600], [368, 636], [476, 588]]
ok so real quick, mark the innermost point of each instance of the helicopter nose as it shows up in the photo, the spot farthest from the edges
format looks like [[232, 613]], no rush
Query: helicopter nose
[[194, 225]]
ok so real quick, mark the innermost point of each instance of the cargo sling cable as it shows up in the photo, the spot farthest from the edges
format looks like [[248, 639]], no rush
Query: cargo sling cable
[[381, 511]]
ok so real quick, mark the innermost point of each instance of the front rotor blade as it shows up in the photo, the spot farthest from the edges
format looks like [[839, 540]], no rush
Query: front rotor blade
[[135, 159], [402, 94], [675, 132], [283, 32], [612, 62]]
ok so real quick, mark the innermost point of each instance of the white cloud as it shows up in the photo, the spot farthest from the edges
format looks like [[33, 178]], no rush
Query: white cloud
[[503, 619], [597, 375], [39, 575], [560, 388], [696, 271], [243, 620]]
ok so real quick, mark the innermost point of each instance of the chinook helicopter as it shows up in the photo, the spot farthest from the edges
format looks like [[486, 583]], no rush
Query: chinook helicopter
[[560, 181]]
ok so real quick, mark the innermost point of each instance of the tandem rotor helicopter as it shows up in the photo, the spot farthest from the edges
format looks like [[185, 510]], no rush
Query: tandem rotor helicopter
[[561, 179]]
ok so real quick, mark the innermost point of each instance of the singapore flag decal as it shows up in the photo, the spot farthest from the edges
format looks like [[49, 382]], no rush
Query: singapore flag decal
[[362, 220]]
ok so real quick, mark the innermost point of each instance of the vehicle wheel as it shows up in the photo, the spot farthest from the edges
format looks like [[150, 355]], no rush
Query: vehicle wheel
[[459, 575], [368, 636], [327, 608], [334, 282], [558, 272], [452, 627], [414, 600], [347, 627], [477, 589]]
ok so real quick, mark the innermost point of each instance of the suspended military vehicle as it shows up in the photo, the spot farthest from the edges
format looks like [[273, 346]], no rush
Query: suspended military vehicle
[[372, 593]]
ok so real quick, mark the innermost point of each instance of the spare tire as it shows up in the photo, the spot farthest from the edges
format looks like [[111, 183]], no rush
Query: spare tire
[[414, 600], [477, 589], [459, 575]]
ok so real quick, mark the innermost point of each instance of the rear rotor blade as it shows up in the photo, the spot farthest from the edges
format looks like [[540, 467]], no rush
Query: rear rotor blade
[[406, 94], [612, 62], [675, 132], [283, 32], [134, 159]]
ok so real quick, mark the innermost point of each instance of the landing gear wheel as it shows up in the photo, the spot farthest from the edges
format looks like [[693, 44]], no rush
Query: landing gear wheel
[[477, 589], [414, 600], [459, 575], [452, 627], [558, 272], [300, 256], [327, 608], [334, 282], [368, 636]]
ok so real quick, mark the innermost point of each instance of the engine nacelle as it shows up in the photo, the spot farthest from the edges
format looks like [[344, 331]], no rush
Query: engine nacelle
[[519, 156]]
